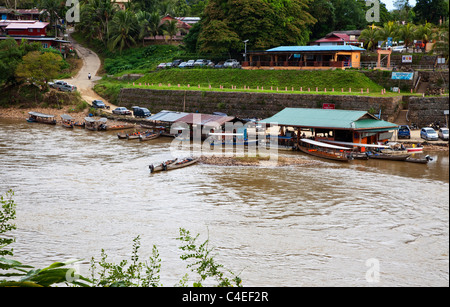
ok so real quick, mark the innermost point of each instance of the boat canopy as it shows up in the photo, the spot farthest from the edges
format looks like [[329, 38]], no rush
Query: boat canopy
[[66, 117], [93, 120], [37, 114], [325, 145], [357, 144]]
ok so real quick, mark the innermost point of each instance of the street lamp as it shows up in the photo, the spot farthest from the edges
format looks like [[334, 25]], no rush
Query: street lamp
[[245, 50]]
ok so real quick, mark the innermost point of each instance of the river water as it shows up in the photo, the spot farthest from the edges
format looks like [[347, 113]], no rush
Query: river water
[[365, 223]]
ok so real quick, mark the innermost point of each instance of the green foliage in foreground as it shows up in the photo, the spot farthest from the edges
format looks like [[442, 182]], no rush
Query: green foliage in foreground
[[133, 273]]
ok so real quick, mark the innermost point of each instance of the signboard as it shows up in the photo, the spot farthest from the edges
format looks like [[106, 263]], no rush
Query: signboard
[[441, 60], [328, 106], [406, 58], [402, 75], [389, 41]]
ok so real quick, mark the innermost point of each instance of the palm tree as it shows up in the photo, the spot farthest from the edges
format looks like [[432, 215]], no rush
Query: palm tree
[[442, 46], [370, 37], [389, 29], [171, 28], [407, 33], [123, 30], [426, 33]]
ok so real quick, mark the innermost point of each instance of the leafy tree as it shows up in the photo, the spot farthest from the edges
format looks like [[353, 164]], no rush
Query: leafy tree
[[38, 67], [324, 12], [350, 14], [430, 11], [265, 23]]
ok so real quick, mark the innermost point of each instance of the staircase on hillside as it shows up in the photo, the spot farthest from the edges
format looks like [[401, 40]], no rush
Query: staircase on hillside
[[401, 118]]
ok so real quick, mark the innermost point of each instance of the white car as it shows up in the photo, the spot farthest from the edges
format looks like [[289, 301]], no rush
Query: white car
[[57, 84], [399, 49], [231, 63], [190, 63], [443, 134]]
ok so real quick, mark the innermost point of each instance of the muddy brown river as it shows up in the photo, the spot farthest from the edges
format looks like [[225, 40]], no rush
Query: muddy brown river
[[363, 223]]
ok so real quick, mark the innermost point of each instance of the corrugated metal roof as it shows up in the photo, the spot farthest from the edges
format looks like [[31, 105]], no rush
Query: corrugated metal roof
[[167, 116], [315, 48], [203, 119], [327, 118]]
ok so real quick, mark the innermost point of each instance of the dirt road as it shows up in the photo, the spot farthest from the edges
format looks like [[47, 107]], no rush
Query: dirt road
[[91, 64]]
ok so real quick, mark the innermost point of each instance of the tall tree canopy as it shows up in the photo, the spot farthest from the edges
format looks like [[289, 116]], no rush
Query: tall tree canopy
[[430, 11], [264, 23]]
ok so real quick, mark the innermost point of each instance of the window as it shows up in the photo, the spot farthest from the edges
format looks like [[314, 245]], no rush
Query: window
[[30, 30], [45, 45]]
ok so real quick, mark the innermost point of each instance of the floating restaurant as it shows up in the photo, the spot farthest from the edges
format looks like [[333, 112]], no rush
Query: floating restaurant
[[354, 129]]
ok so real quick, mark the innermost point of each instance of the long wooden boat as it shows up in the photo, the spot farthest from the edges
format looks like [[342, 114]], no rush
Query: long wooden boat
[[161, 167], [67, 121], [389, 157], [122, 135], [324, 150], [149, 136], [95, 124], [36, 117], [182, 163], [119, 127], [424, 160]]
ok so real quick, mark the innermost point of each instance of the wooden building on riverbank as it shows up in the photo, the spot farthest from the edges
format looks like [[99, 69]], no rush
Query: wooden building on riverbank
[[340, 127], [305, 57]]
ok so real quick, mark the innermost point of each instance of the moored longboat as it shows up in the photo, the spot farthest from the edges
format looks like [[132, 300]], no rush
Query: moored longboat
[[36, 117], [67, 121], [324, 150]]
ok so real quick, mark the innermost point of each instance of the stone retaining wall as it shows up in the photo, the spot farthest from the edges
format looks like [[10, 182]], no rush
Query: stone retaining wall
[[426, 110], [251, 104]]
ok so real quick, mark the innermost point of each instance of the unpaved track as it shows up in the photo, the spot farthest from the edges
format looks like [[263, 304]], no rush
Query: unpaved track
[[91, 64]]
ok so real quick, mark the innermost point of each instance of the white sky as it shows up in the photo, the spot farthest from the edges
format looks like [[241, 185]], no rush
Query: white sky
[[390, 4]]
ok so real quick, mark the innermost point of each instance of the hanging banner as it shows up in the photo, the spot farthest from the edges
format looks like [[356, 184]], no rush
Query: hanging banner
[[402, 75]]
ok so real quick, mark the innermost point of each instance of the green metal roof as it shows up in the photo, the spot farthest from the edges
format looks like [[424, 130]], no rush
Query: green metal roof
[[328, 118]]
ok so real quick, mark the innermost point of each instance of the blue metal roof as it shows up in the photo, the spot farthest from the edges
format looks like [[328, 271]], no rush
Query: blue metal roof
[[315, 48]]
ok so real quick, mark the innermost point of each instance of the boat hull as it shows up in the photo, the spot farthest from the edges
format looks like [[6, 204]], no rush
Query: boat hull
[[324, 155]]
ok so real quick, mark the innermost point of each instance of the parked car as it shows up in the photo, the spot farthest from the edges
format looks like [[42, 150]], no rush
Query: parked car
[[190, 63], [182, 65], [121, 111], [209, 64], [176, 63], [169, 65], [98, 104], [428, 134], [57, 84], [68, 88], [443, 134], [231, 63], [200, 63], [161, 66], [219, 65], [399, 49], [141, 112], [404, 132]]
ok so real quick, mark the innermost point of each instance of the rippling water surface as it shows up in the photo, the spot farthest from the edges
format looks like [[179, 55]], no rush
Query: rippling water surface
[[78, 192]]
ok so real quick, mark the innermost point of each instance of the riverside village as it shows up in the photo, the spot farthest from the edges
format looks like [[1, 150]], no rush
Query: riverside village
[[307, 138]]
